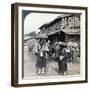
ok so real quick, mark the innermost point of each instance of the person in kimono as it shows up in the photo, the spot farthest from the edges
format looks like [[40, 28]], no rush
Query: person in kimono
[[38, 57], [61, 58], [41, 57], [45, 58]]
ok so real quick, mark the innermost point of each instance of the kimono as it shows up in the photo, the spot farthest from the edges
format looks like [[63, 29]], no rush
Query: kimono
[[46, 49], [41, 60], [40, 54], [61, 58]]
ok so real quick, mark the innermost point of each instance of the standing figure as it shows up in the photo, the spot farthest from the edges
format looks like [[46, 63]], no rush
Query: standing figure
[[38, 58], [41, 58], [61, 59], [45, 50]]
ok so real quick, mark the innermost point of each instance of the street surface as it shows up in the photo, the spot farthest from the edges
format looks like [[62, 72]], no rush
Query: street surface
[[52, 67]]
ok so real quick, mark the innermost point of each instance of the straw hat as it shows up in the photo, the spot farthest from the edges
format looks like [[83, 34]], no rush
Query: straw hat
[[61, 43], [41, 36]]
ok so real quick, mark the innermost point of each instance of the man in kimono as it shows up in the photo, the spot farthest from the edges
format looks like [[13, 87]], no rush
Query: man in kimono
[[41, 57]]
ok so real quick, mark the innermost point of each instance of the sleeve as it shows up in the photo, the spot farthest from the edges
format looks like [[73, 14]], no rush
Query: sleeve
[[36, 48]]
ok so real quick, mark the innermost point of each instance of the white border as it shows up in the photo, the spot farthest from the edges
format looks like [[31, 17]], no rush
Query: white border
[[54, 79]]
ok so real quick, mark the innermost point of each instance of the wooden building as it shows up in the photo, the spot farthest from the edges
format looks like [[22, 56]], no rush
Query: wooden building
[[64, 28]]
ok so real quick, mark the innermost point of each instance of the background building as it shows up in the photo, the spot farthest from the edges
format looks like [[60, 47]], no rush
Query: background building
[[64, 28]]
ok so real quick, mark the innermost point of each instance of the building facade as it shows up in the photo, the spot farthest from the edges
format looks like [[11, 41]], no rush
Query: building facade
[[63, 28]]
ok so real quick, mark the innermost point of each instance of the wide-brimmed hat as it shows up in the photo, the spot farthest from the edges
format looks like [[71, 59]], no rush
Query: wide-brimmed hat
[[41, 36], [60, 43]]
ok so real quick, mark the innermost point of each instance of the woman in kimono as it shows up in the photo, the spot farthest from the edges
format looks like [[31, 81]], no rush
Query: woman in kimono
[[61, 58]]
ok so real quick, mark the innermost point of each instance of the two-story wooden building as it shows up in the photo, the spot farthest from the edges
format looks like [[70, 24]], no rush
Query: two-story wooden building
[[64, 28]]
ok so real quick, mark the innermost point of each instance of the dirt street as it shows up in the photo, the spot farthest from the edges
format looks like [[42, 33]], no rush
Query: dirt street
[[52, 67]]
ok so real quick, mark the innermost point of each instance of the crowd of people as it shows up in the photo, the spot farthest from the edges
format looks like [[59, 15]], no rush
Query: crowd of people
[[60, 52]]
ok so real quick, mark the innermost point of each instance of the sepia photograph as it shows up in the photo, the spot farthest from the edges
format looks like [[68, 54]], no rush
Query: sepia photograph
[[49, 44]]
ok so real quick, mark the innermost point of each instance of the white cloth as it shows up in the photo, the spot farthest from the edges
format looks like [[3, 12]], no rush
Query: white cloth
[[61, 57], [45, 47], [37, 47], [41, 54]]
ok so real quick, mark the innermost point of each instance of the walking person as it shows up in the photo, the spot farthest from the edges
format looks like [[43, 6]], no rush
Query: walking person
[[45, 58], [41, 57], [38, 58], [61, 58]]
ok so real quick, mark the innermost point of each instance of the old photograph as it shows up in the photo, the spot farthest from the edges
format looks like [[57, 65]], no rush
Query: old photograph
[[51, 44]]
